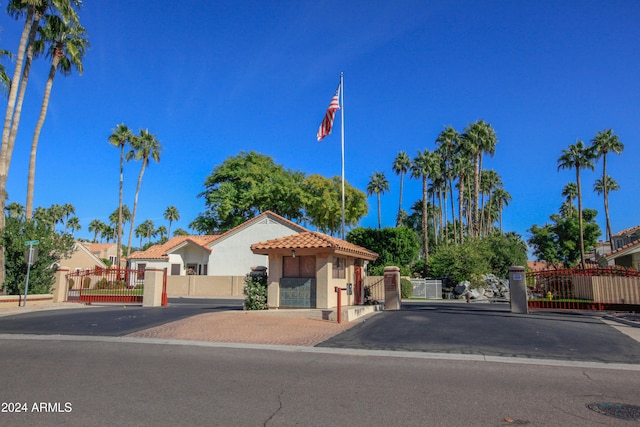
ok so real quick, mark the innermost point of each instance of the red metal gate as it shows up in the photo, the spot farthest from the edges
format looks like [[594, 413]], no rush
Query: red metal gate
[[584, 289], [106, 285]]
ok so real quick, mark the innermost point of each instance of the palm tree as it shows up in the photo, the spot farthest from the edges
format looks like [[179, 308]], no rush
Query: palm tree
[[570, 191], [577, 157], [161, 231], [146, 229], [96, 226], [73, 224], [425, 165], [401, 165], [478, 138], [119, 138], [447, 142], [15, 210], [171, 214], [32, 10], [600, 186], [180, 232], [378, 185], [462, 167], [5, 80], [603, 143], [144, 147], [68, 44], [502, 198], [67, 210]]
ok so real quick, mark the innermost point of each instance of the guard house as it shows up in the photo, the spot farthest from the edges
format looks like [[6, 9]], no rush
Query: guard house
[[305, 268]]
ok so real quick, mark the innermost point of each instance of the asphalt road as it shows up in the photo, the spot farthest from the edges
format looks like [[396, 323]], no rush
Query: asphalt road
[[110, 320], [490, 330], [99, 381]]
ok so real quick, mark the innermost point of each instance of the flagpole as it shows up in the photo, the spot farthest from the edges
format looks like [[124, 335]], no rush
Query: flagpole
[[342, 128]]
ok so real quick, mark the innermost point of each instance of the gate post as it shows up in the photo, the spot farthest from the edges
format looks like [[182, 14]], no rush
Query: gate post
[[153, 280], [518, 290], [392, 300], [60, 286]]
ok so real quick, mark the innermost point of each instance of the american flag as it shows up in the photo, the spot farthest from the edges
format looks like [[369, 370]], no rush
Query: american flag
[[327, 122]]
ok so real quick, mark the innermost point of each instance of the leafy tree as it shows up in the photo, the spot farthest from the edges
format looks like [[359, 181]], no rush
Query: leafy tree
[[144, 147], [378, 185], [458, 263], [323, 203], [401, 165], [52, 247], [577, 157], [244, 186], [505, 250], [395, 246], [560, 241]]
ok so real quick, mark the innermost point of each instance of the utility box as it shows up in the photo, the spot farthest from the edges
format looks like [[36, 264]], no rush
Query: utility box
[[392, 299], [518, 290]]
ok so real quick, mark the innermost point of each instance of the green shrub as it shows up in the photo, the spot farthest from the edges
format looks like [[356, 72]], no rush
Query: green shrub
[[86, 283], [255, 290], [406, 288]]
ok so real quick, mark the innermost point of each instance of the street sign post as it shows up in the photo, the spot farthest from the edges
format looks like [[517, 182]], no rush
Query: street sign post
[[30, 258]]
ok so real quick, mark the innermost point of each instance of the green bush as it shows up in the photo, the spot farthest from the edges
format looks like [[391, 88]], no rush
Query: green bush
[[255, 290], [406, 288], [86, 283]]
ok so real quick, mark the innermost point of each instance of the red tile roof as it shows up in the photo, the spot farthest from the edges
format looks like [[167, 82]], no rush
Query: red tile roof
[[160, 251], [313, 240], [627, 231], [622, 248]]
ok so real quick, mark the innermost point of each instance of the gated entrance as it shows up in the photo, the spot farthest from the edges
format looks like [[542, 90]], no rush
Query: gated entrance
[[103, 285], [584, 289]]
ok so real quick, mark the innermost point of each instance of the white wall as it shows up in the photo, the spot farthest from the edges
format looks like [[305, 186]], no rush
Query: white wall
[[232, 255]]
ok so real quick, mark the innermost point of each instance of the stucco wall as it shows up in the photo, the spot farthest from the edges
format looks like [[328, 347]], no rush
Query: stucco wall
[[205, 286], [232, 255]]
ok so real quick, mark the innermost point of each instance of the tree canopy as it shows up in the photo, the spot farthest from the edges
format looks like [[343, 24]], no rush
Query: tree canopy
[[245, 185]]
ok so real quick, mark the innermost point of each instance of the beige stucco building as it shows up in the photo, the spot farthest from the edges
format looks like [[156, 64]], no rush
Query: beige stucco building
[[304, 270]]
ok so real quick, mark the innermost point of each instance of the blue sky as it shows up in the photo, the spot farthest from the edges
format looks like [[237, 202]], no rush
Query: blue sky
[[211, 79]]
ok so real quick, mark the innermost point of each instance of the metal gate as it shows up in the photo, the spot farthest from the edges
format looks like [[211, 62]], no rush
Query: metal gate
[[584, 289], [106, 285]]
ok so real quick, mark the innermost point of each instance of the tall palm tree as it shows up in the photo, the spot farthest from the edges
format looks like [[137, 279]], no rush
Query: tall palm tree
[[603, 143], [32, 10], [378, 185], [502, 198], [570, 192], [447, 142], [119, 138], [478, 138], [577, 157], [171, 214], [600, 186], [145, 147], [401, 165], [425, 165], [67, 46]]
